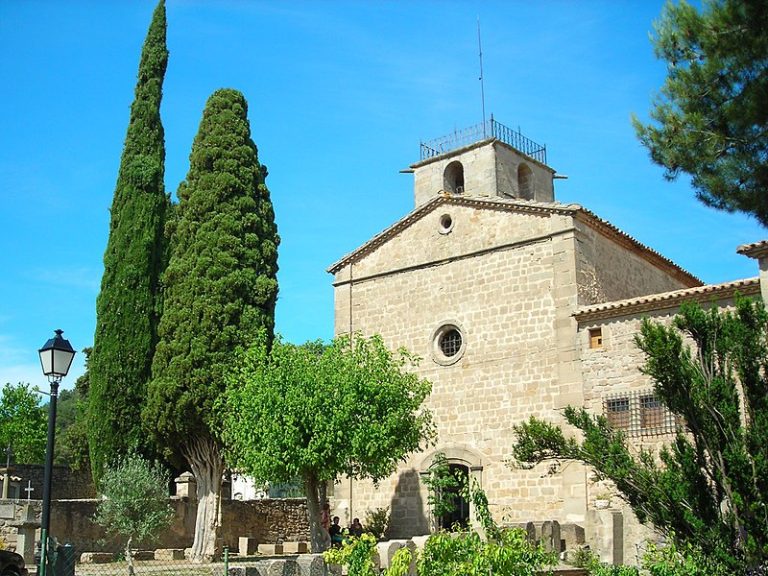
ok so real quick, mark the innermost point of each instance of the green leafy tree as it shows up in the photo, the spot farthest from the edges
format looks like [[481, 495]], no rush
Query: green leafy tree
[[23, 424], [707, 489], [220, 289], [135, 504], [127, 306], [316, 412], [710, 119], [71, 447]]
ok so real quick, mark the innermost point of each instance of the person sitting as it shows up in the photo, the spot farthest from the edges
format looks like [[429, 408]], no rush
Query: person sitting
[[335, 532], [356, 529]]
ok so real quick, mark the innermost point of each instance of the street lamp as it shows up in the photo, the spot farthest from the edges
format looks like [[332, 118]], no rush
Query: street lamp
[[55, 357]]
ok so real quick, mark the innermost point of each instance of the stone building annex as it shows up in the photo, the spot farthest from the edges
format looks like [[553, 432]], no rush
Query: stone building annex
[[519, 306]]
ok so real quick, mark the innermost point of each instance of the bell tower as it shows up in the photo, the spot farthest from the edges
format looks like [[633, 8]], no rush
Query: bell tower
[[488, 160]]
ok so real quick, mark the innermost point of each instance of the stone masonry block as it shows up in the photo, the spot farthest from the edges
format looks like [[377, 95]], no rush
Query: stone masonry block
[[169, 554], [277, 567], [295, 547], [96, 557], [270, 549], [247, 546], [311, 565]]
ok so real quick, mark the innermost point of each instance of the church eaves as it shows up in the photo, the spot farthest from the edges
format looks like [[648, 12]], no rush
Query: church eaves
[[703, 294], [520, 206]]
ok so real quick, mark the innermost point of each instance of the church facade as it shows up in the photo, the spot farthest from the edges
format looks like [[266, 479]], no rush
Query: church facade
[[518, 306]]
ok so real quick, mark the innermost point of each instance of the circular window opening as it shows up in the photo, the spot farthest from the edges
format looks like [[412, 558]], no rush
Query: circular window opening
[[448, 344], [446, 223]]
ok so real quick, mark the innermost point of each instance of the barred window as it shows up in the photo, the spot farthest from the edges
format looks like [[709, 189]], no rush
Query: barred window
[[652, 412], [450, 342], [617, 412], [639, 413]]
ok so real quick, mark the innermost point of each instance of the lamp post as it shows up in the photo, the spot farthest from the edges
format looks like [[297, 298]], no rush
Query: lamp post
[[55, 357]]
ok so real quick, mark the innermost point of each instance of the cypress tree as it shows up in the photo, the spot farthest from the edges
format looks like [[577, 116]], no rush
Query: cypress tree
[[220, 289], [127, 306]]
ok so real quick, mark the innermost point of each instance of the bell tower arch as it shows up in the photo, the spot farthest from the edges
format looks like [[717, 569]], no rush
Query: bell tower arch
[[485, 161]]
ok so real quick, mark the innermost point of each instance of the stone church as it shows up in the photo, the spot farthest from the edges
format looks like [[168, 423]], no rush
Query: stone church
[[519, 306]]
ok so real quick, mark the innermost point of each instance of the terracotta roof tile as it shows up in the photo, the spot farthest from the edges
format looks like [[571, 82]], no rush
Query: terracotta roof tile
[[754, 250], [708, 292]]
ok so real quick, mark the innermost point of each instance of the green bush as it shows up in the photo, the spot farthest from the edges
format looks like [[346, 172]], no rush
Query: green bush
[[377, 522]]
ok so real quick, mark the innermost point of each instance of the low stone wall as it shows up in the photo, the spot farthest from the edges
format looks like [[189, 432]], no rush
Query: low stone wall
[[268, 521]]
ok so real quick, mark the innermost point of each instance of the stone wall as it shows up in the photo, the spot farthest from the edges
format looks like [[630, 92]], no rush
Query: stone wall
[[268, 521], [609, 269], [503, 302], [65, 483]]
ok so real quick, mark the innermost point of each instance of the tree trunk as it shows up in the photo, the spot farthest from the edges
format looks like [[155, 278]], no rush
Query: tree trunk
[[129, 557], [319, 538], [204, 457]]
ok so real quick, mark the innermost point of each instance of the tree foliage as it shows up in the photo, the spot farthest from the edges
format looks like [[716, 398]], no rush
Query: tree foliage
[[220, 289], [488, 550], [709, 487], [135, 503], [127, 306], [316, 412], [443, 487], [23, 424], [710, 118], [71, 446]]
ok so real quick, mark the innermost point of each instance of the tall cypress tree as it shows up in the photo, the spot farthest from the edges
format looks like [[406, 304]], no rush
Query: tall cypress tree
[[220, 289], [127, 309]]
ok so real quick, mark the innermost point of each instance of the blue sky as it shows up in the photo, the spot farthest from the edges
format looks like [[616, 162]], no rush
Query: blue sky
[[340, 94]]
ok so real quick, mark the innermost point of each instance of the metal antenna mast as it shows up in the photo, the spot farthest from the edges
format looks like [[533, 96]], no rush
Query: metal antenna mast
[[482, 87]]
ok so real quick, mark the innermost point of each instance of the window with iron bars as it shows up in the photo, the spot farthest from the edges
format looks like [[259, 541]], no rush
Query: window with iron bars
[[639, 413]]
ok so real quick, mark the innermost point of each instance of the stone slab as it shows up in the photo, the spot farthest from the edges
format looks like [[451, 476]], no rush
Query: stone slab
[[277, 567], [247, 546], [295, 548], [169, 554], [311, 565], [270, 549], [144, 555], [8, 511], [96, 557]]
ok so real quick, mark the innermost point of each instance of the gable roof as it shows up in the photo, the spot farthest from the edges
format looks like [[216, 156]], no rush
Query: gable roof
[[520, 206], [665, 300]]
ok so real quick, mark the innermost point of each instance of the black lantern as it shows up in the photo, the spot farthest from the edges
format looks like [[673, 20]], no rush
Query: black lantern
[[56, 357]]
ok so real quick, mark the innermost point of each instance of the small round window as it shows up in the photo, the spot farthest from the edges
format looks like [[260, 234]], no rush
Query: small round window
[[446, 224], [448, 344]]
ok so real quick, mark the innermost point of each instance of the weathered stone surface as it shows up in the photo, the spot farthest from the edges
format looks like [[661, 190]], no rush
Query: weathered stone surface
[[311, 565], [246, 546], [530, 531], [270, 549], [277, 567], [96, 557], [144, 555], [295, 547], [167, 554]]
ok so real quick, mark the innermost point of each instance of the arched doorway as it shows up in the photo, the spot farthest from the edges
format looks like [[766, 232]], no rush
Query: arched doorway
[[459, 516], [451, 460]]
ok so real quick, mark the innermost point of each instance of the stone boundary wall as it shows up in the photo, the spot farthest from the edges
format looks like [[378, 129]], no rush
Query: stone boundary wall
[[268, 521], [65, 482]]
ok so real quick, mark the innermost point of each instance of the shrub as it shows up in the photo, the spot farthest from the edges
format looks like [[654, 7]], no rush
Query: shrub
[[377, 522]]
